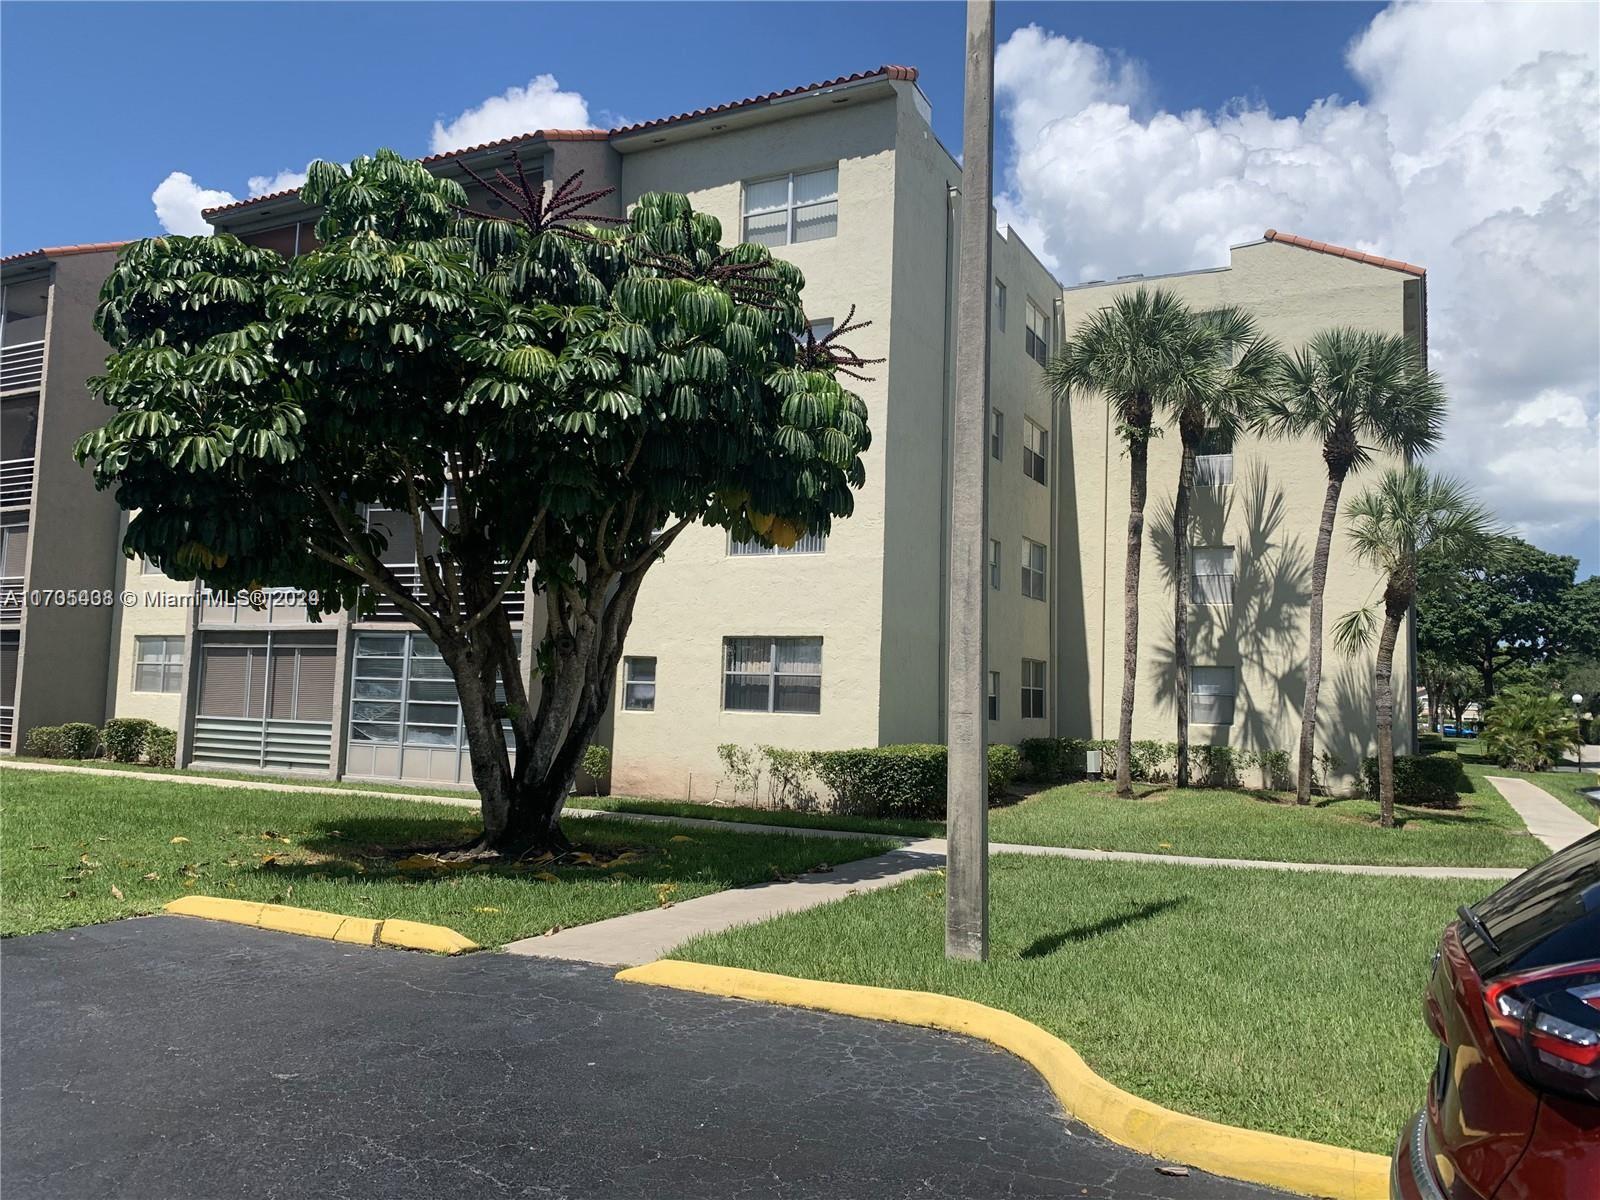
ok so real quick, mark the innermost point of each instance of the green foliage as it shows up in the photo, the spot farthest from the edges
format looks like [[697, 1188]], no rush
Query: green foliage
[[1151, 762], [1004, 763], [596, 763], [1216, 766], [1423, 780], [1433, 743], [787, 773], [741, 767], [161, 746], [1274, 766], [1328, 767], [1050, 760], [125, 738], [1528, 729], [79, 739], [899, 781], [45, 741]]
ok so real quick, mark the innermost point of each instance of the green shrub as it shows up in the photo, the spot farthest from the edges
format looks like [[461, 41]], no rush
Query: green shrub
[[1050, 760], [1327, 767], [1425, 780], [44, 741], [1215, 766], [79, 739], [1150, 762], [1274, 766], [125, 738], [787, 773], [1432, 743], [899, 781], [1528, 729], [596, 763], [1004, 763], [161, 746], [743, 772]]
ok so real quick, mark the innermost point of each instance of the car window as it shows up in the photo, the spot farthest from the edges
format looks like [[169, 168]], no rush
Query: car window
[[1549, 914]]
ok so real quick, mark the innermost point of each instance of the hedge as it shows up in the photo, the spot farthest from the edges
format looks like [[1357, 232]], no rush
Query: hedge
[[1427, 780], [126, 738], [161, 747], [44, 741], [899, 781]]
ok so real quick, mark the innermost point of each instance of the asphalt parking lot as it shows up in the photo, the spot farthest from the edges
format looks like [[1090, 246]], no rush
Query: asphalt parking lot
[[174, 1058]]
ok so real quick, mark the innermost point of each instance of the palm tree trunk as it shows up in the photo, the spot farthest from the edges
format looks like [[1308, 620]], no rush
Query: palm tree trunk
[[1319, 583], [1180, 617], [1139, 461], [1383, 691]]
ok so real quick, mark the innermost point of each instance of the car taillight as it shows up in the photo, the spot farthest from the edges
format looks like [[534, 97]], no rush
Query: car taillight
[[1548, 1023]]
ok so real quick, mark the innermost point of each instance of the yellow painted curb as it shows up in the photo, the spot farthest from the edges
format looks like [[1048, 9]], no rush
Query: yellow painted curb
[[309, 922], [1309, 1168]]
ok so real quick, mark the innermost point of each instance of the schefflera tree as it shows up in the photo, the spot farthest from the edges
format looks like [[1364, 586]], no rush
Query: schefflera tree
[[581, 391]]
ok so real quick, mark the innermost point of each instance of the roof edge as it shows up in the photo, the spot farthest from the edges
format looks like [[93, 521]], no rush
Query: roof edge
[[887, 71], [1361, 256], [64, 251]]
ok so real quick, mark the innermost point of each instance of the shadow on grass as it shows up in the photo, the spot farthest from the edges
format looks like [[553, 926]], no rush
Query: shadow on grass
[[1050, 943]]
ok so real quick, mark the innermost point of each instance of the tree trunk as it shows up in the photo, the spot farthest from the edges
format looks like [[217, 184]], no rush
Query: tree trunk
[[1181, 557], [1383, 691], [1139, 461], [1319, 582]]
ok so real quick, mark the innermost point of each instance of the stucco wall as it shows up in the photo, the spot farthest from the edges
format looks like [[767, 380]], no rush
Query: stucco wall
[[1270, 515], [148, 617], [699, 594]]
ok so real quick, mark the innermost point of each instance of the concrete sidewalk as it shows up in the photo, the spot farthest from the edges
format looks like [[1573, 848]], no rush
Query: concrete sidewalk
[[1549, 820]]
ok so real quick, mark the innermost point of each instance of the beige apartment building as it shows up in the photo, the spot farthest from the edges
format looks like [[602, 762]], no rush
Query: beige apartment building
[[838, 642]]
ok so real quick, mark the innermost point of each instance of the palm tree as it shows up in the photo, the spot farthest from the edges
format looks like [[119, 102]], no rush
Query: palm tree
[[1227, 368], [1129, 353], [1358, 393], [1412, 525]]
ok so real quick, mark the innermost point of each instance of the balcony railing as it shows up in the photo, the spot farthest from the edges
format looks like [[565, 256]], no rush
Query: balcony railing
[[8, 722], [16, 481], [10, 599], [411, 577], [22, 367]]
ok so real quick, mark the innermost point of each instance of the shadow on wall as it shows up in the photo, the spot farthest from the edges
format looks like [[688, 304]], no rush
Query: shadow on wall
[[1349, 730], [1262, 631], [1071, 666]]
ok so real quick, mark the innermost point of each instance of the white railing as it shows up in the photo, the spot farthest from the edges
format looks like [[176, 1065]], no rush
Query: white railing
[[16, 481], [258, 742], [411, 577], [22, 367], [10, 600], [8, 722]]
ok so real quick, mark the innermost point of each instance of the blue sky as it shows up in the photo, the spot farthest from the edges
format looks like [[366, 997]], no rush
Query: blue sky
[[1131, 137], [226, 92]]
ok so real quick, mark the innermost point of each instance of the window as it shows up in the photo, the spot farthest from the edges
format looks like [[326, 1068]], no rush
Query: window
[[1211, 692], [1213, 462], [403, 689], [639, 684], [994, 695], [1037, 339], [999, 306], [792, 208], [157, 664], [772, 674], [1032, 688], [1211, 574], [994, 563], [997, 434], [1034, 558], [1035, 451], [820, 329], [811, 543], [146, 567]]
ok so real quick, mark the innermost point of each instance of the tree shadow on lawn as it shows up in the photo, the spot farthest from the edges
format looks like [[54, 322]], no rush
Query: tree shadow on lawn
[[1050, 943]]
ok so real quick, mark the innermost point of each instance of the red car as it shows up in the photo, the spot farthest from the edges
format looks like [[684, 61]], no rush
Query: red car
[[1513, 1112]]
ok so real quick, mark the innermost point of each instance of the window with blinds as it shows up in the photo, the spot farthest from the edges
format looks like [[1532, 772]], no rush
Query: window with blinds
[[1033, 688], [1035, 451], [1211, 575], [1211, 695], [1213, 462], [994, 563], [994, 695], [772, 674], [281, 677], [798, 207], [158, 664], [1034, 563], [811, 543]]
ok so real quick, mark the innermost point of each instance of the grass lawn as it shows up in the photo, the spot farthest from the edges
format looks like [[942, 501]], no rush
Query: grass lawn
[[1283, 1002], [760, 816], [303, 779], [1565, 786], [1483, 832], [66, 841]]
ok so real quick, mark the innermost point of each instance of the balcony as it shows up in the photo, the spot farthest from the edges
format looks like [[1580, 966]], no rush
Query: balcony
[[22, 367], [10, 600], [16, 481], [8, 722], [411, 576]]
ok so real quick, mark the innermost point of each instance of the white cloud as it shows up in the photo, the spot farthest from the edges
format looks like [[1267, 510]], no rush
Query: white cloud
[[540, 105], [283, 181], [1474, 152], [179, 199]]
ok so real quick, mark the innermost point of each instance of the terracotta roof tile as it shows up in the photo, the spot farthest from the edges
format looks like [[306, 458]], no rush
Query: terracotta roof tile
[[64, 251], [1392, 264], [908, 74]]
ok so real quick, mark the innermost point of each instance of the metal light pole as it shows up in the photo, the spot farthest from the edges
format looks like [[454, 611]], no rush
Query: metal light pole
[[967, 867]]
